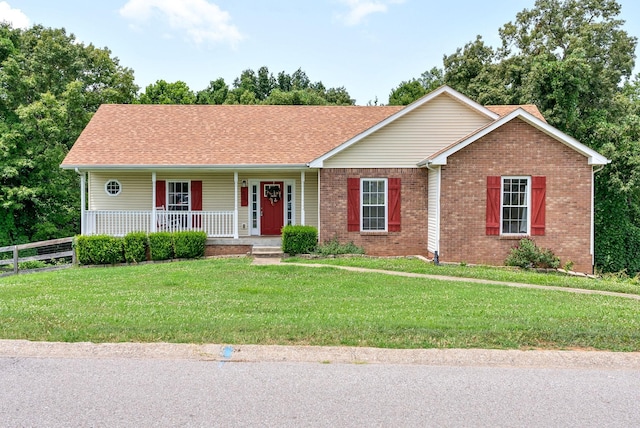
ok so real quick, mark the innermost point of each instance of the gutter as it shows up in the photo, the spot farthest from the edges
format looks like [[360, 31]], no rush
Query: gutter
[[184, 167], [593, 217]]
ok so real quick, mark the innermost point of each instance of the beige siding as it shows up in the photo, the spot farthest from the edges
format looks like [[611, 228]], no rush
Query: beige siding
[[135, 193], [413, 137], [432, 208], [217, 188]]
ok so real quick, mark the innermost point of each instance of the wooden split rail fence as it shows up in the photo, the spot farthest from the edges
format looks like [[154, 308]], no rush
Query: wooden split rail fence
[[54, 249]]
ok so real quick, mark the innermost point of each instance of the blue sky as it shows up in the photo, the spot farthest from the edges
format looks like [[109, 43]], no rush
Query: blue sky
[[367, 46]]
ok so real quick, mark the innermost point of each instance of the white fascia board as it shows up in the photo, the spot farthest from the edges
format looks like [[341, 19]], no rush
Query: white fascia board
[[594, 158], [301, 167], [319, 162]]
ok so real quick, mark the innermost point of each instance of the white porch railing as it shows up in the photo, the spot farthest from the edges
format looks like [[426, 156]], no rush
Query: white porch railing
[[217, 224]]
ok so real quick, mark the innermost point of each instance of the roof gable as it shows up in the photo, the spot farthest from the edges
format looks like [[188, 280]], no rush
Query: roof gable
[[503, 110], [440, 158], [443, 90]]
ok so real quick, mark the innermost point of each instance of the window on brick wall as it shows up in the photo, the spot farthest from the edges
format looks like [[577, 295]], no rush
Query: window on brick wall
[[516, 205], [373, 204]]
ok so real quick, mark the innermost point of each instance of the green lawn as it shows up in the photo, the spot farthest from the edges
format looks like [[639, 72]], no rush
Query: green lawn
[[230, 301], [502, 274]]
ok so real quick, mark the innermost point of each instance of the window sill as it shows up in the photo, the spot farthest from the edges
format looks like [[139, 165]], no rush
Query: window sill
[[381, 233], [512, 237]]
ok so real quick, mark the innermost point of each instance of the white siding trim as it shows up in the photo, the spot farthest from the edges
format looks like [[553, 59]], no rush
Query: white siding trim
[[433, 211]]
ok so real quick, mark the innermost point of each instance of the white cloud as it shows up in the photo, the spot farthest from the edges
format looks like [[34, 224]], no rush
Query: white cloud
[[15, 17], [200, 20], [359, 9]]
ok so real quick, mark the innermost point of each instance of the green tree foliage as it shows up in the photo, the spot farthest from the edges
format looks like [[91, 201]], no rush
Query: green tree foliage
[[163, 92], [409, 91], [262, 87], [574, 61], [215, 93], [50, 85]]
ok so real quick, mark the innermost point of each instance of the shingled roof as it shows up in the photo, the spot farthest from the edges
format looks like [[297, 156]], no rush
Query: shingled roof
[[224, 135], [198, 135]]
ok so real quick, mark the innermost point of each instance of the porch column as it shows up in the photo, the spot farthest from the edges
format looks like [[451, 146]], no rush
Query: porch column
[[302, 219], [154, 221], [83, 202], [235, 205]]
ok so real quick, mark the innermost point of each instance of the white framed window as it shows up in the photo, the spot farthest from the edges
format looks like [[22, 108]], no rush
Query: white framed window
[[113, 187], [373, 204], [290, 213], [514, 206], [255, 211], [178, 196]]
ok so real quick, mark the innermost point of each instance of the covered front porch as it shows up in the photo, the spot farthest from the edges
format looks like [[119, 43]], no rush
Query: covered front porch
[[228, 205]]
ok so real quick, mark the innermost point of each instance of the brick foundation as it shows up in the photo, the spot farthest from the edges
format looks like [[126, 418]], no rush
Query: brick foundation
[[226, 250], [412, 238], [516, 149]]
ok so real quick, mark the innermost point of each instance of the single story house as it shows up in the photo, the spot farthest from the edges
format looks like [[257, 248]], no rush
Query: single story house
[[444, 175]]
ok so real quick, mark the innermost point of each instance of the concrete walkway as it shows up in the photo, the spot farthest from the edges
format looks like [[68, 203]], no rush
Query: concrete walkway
[[474, 280]]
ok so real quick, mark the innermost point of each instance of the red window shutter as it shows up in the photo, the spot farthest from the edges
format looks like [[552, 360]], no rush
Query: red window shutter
[[161, 194], [538, 196], [196, 196], [353, 204], [394, 204], [244, 196], [493, 205]]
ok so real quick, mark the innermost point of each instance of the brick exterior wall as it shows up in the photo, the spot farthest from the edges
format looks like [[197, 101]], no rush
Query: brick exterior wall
[[412, 238], [226, 250], [515, 149]]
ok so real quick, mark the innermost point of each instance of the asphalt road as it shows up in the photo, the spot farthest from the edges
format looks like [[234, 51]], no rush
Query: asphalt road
[[130, 390]]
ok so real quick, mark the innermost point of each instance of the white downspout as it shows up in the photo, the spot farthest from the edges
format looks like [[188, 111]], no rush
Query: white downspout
[[593, 216], [302, 213], [154, 214], [235, 205]]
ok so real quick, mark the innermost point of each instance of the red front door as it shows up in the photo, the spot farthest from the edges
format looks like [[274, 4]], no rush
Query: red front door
[[271, 207]]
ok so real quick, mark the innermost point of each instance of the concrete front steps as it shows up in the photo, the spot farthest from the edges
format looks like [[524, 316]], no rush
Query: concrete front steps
[[267, 252]]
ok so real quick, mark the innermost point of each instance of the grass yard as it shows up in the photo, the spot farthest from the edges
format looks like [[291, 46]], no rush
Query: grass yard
[[230, 301], [610, 283]]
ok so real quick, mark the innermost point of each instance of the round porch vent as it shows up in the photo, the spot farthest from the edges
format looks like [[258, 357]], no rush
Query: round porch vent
[[113, 187]]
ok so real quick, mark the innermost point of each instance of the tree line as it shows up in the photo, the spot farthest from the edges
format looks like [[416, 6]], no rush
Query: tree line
[[252, 87], [569, 57]]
